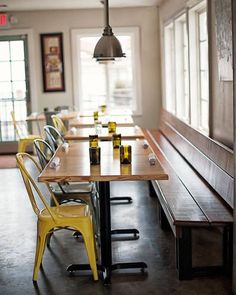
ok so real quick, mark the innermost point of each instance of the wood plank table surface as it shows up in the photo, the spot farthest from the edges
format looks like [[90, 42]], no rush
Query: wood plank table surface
[[125, 120], [108, 112], [75, 166], [65, 116], [129, 132]]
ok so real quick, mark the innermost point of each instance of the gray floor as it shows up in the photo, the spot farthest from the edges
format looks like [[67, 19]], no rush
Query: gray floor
[[155, 247]]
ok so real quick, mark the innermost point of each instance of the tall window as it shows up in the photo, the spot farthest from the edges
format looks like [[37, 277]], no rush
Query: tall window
[[188, 74], [169, 68], [176, 68], [181, 72], [115, 84], [14, 85], [203, 69]]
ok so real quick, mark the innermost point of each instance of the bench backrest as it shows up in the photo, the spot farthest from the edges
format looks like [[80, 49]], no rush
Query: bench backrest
[[213, 161]]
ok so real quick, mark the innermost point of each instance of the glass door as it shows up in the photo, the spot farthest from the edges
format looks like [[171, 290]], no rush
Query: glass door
[[14, 84]]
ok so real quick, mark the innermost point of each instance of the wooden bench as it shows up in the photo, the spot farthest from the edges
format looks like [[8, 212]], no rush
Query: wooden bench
[[199, 192]]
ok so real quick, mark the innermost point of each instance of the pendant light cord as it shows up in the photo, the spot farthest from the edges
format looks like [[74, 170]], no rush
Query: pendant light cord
[[106, 13], [107, 29]]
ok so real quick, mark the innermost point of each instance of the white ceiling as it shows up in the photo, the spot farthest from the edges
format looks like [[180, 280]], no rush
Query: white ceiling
[[14, 5]]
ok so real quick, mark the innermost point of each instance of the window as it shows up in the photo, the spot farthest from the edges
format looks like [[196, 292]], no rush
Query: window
[[186, 67], [169, 68], [181, 65], [203, 69], [114, 84], [14, 85], [176, 68]]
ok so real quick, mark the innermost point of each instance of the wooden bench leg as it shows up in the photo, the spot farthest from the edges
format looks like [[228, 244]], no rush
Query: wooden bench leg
[[152, 192], [184, 254], [163, 221], [227, 249]]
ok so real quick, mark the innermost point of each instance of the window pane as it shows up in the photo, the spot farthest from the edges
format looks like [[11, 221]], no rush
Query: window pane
[[204, 115], [20, 110], [204, 85], [203, 56], [91, 72], [203, 25], [18, 70], [5, 90], [112, 82], [12, 85], [4, 50], [181, 68], [17, 50], [5, 72], [7, 129], [169, 69], [19, 90]]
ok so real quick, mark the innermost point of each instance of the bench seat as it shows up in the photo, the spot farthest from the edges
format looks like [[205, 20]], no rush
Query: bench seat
[[187, 201]]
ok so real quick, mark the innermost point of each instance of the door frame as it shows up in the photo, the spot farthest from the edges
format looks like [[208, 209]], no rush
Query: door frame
[[11, 147]]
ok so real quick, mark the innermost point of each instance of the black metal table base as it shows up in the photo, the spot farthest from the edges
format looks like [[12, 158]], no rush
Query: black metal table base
[[106, 271], [121, 199], [106, 266], [125, 231]]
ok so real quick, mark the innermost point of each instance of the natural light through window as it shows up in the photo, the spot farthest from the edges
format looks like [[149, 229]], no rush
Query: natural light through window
[[13, 83], [186, 67], [115, 83]]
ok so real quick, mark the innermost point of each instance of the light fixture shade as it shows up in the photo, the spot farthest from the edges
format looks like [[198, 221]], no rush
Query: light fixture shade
[[108, 48]]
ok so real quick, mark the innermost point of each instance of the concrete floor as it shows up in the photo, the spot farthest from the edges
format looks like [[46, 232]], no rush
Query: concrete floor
[[155, 247]]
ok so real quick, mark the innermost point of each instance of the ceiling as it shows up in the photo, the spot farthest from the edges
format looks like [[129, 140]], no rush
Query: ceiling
[[17, 5]]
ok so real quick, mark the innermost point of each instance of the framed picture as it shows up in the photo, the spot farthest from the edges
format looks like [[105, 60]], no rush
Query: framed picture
[[52, 62], [224, 44]]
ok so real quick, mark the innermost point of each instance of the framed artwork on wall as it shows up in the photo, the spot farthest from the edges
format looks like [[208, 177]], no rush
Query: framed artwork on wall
[[52, 62], [224, 45]]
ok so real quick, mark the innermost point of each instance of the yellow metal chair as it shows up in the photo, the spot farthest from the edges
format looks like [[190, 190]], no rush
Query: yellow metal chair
[[24, 139], [70, 217], [58, 124]]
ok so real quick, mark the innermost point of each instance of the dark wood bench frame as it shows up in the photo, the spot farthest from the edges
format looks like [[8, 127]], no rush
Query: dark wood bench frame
[[184, 205]]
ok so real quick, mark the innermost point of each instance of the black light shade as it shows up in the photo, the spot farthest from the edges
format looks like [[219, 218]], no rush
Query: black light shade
[[108, 47]]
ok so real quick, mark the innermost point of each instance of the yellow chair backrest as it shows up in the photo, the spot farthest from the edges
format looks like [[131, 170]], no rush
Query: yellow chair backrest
[[30, 184], [58, 124], [19, 131]]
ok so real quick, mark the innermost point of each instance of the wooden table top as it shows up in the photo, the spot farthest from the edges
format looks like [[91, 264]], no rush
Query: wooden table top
[[129, 132], [107, 113], [41, 117], [75, 164], [126, 120]]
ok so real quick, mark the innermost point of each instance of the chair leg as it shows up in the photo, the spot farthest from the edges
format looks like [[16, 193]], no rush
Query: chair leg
[[40, 247], [90, 248], [21, 146]]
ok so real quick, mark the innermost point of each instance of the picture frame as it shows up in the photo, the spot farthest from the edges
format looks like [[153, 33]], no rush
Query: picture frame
[[52, 62], [224, 44]]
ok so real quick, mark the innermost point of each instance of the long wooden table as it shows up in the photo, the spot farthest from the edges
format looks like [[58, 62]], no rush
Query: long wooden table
[[129, 132], [108, 112], [75, 166], [65, 116], [125, 120]]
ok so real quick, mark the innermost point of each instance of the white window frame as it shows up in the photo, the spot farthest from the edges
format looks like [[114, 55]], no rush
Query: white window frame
[[194, 101], [169, 65], [181, 103], [76, 34], [32, 67], [195, 85]]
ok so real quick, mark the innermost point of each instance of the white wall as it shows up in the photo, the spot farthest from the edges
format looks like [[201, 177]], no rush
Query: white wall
[[65, 20]]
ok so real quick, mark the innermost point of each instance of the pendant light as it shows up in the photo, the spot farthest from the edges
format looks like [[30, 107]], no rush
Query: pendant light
[[108, 47]]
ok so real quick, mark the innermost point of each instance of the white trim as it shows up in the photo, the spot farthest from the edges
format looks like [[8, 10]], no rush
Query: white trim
[[131, 31], [31, 60]]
